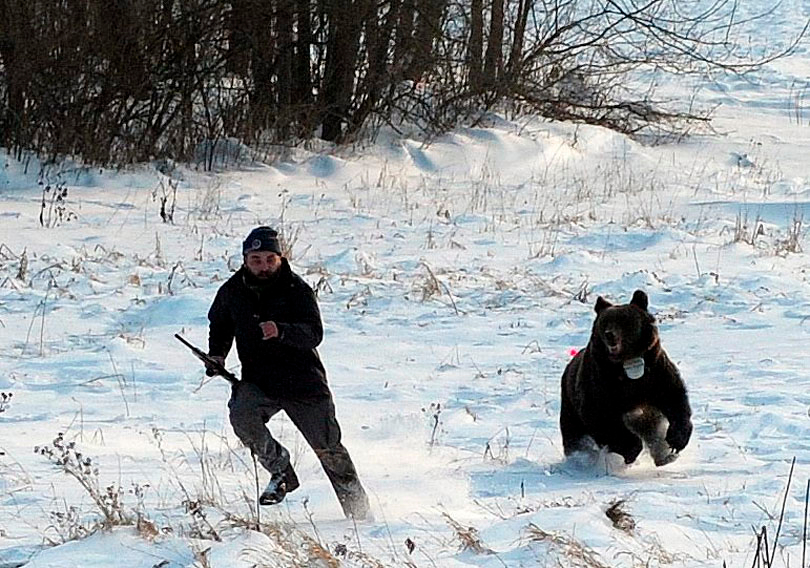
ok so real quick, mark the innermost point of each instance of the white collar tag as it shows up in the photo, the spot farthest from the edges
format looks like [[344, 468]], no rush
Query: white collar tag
[[634, 368]]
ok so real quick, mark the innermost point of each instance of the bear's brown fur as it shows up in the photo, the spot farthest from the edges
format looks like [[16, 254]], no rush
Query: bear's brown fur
[[602, 404]]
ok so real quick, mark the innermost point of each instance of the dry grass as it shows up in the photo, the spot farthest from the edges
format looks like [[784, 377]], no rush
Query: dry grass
[[107, 498], [745, 232], [432, 286], [573, 554], [467, 536], [288, 546], [793, 237]]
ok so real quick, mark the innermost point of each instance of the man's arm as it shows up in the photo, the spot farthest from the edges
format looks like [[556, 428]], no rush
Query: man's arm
[[220, 327], [306, 332]]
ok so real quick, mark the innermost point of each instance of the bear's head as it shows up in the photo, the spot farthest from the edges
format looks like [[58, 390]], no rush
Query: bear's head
[[624, 333]]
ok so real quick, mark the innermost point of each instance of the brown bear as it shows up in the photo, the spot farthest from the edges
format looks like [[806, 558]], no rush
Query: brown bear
[[622, 391]]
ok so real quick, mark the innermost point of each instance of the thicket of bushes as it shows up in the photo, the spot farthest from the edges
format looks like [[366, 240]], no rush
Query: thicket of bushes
[[116, 81]]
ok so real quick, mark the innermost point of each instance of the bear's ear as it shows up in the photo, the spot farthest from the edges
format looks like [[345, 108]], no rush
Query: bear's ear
[[640, 300], [601, 304]]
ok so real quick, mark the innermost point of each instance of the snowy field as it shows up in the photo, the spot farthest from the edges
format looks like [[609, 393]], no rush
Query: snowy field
[[454, 281]]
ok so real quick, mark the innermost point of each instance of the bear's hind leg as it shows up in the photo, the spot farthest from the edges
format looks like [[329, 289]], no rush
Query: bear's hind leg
[[580, 449], [651, 425], [574, 437]]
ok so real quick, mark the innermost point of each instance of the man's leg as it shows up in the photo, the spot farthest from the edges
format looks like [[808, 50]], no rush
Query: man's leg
[[250, 410], [315, 418]]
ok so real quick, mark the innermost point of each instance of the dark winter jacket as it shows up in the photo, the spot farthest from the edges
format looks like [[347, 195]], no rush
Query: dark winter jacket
[[287, 366]]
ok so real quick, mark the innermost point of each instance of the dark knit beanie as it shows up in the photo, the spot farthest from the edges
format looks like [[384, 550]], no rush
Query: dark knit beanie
[[262, 239]]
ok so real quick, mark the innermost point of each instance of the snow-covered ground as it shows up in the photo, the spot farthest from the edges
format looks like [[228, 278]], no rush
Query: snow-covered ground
[[454, 280]]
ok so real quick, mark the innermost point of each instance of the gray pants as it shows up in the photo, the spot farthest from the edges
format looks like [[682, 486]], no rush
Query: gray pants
[[251, 409]]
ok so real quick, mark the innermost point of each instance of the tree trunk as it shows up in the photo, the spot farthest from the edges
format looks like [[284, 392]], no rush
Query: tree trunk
[[342, 43], [493, 57], [302, 72], [476, 46], [403, 43], [428, 27], [12, 106], [261, 63], [284, 68], [116, 38], [239, 38], [514, 65], [378, 36]]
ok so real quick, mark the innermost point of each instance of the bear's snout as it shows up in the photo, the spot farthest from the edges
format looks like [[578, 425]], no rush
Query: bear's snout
[[613, 342]]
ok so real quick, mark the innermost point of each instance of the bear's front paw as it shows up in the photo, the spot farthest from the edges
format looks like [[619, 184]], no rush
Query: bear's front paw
[[678, 435]]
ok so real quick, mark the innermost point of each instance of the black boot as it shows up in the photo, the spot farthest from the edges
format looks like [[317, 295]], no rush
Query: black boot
[[280, 484], [291, 479]]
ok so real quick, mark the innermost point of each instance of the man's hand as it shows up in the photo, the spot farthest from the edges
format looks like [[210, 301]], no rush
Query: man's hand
[[269, 329], [210, 370]]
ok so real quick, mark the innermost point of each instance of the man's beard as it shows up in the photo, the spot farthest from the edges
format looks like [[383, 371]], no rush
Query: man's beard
[[265, 277]]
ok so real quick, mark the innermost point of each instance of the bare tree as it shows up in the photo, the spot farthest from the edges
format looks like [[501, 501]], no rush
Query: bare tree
[[302, 81], [14, 19], [584, 60], [513, 66], [493, 56], [338, 82], [476, 45]]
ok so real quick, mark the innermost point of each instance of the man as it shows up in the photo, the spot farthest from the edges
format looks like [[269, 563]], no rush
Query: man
[[273, 315]]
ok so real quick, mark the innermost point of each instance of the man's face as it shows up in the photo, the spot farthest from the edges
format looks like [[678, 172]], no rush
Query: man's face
[[262, 264]]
